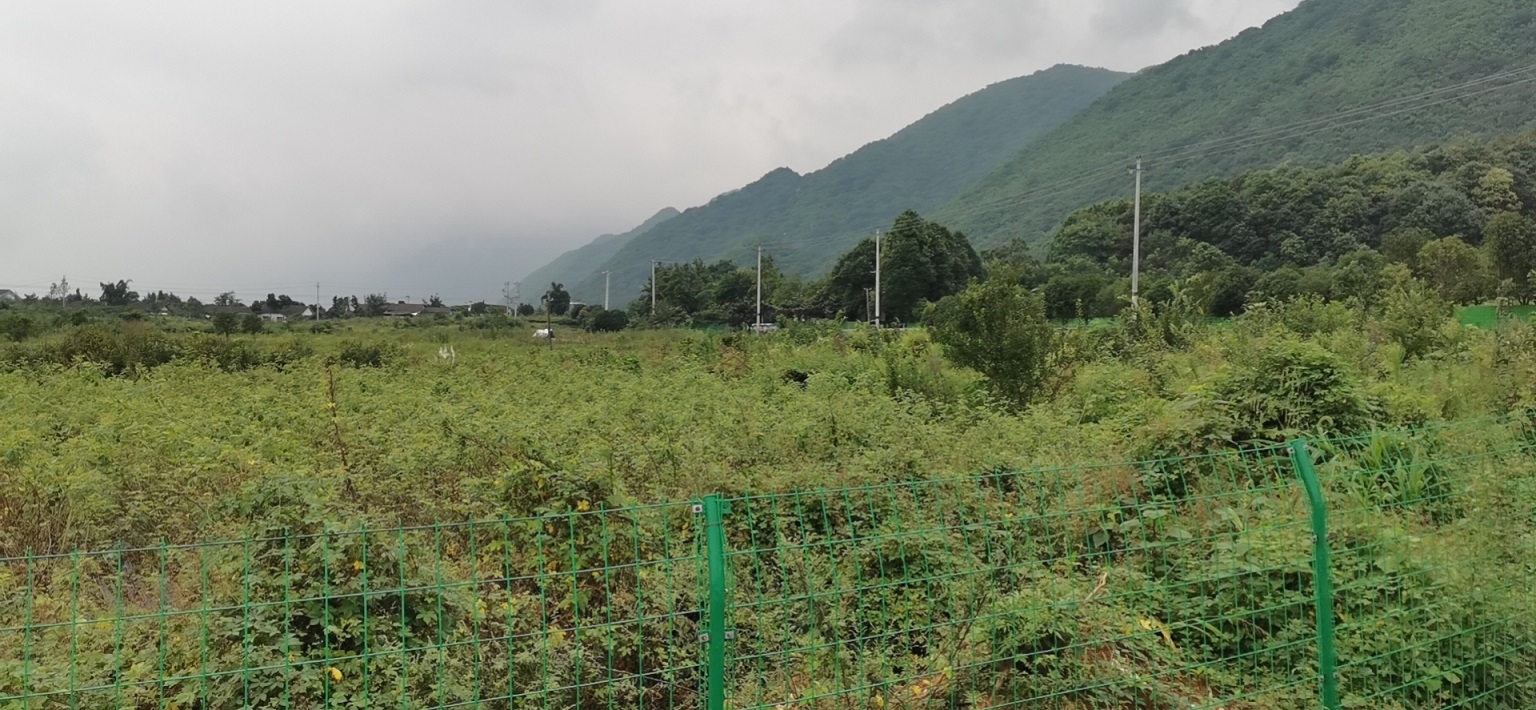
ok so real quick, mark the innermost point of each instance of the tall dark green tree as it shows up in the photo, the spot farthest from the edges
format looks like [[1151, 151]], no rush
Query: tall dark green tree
[[117, 294], [921, 262], [557, 299]]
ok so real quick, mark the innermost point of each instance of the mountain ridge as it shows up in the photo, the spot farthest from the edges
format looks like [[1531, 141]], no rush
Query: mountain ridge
[[1323, 58], [809, 219]]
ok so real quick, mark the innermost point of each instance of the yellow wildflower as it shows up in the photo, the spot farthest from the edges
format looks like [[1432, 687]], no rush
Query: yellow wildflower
[[583, 506], [335, 674]]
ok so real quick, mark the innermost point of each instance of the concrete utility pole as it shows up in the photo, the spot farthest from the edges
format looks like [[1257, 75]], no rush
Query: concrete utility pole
[[605, 289], [317, 300], [759, 286], [1136, 240], [653, 287], [877, 278]]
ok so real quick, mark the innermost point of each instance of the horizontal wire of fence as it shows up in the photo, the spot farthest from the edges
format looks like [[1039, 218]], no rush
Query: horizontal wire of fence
[[1192, 582]]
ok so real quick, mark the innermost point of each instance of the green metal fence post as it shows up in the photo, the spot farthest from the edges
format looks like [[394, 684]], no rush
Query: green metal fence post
[[1322, 574], [714, 537]]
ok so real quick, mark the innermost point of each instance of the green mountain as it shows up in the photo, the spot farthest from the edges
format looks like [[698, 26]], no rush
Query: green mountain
[[809, 219], [1223, 109], [576, 264]]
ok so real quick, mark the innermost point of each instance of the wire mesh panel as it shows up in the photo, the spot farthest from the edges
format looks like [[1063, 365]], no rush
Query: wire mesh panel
[[593, 609], [1169, 584], [1434, 565]]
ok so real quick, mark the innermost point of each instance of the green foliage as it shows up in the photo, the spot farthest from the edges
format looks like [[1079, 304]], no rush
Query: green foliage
[[355, 353], [1291, 388], [607, 321], [16, 327], [225, 323], [921, 262], [1511, 243], [1000, 331], [1414, 316], [557, 300], [1456, 270], [117, 294], [250, 324]]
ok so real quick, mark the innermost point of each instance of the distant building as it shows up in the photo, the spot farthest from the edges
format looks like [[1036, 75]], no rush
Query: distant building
[[413, 310], [7, 295]]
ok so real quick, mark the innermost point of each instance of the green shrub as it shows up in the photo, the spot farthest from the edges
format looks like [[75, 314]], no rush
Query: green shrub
[[355, 353], [1292, 387], [16, 327], [1000, 331]]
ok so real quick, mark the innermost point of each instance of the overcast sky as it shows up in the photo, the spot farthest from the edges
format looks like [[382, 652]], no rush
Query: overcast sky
[[204, 146]]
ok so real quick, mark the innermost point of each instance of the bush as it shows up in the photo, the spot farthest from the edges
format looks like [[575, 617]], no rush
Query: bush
[[605, 321], [17, 328], [999, 330], [1294, 387], [119, 351], [1413, 315], [359, 354]]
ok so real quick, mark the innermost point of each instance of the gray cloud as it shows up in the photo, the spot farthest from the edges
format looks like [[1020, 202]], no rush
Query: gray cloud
[[448, 146]]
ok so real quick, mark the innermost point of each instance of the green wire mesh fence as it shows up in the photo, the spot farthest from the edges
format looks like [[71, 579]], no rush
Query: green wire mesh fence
[[595, 609], [1433, 540], [1177, 583]]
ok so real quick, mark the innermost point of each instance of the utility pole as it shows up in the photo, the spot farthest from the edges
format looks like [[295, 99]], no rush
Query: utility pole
[[605, 289], [877, 278], [1136, 241], [759, 287], [867, 312], [653, 287], [317, 300]]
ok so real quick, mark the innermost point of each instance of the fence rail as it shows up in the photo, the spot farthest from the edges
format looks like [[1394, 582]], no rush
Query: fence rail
[[1391, 569]]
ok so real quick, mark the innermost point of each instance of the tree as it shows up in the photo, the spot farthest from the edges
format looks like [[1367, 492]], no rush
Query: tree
[[117, 294], [920, 261], [479, 308], [525, 309], [226, 299], [226, 323], [1511, 243], [59, 291], [1412, 314], [605, 321], [340, 307], [250, 324], [373, 304], [434, 301], [557, 299], [999, 330], [1456, 270], [1495, 192], [1401, 246]]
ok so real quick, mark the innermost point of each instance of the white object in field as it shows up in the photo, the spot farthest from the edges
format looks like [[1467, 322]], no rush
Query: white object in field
[[447, 353], [544, 333]]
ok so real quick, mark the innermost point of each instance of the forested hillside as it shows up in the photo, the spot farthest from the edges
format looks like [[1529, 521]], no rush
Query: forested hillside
[[811, 218], [572, 266], [1220, 110]]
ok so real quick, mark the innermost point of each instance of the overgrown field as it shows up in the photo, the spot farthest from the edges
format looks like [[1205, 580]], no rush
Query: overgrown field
[[903, 488]]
